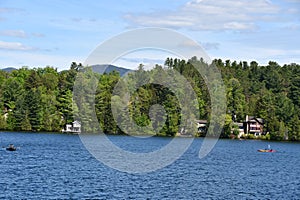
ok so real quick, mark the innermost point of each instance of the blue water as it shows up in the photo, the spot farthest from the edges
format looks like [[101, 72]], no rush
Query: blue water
[[55, 166]]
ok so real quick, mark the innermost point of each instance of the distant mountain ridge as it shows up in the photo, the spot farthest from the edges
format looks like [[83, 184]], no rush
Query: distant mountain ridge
[[105, 68], [8, 69]]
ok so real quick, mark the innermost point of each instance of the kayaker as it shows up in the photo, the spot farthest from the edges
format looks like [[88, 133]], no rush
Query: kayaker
[[11, 148]]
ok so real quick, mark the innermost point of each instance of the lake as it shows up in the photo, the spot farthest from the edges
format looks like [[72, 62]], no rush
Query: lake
[[57, 166]]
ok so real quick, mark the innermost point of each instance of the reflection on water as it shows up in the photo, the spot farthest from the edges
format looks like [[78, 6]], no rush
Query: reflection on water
[[58, 166]]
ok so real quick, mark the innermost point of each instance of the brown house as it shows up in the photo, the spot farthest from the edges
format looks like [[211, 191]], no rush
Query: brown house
[[253, 125]]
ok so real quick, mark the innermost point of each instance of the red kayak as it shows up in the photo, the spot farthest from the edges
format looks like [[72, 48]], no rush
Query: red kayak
[[266, 150]]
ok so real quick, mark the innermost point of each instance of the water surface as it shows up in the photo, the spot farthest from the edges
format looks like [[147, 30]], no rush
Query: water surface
[[56, 166]]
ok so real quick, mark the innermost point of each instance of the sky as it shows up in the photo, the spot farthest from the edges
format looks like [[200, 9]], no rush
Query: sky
[[55, 33]]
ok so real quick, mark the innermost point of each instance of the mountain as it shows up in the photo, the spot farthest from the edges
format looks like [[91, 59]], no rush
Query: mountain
[[96, 68], [8, 69], [109, 68]]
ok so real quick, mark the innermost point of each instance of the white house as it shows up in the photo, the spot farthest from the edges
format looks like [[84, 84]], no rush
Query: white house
[[75, 127], [201, 126], [240, 127]]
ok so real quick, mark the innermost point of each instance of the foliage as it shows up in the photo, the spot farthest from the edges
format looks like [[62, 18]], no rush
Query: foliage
[[41, 99], [38, 99], [270, 92]]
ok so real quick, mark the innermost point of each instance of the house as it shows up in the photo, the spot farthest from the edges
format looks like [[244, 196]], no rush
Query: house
[[254, 125], [251, 125], [240, 127], [6, 113], [201, 126], [75, 127]]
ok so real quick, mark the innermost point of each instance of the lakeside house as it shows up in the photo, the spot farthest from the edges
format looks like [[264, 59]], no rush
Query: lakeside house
[[251, 126], [254, 125], [201, 126], [240, 127], [6, 113], [75, 127]]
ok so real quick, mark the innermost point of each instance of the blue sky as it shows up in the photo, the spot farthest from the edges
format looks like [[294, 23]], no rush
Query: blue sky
[[38, 33]]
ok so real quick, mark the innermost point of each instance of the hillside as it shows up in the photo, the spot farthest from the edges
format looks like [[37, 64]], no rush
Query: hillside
[[109, 68], [8, 69]]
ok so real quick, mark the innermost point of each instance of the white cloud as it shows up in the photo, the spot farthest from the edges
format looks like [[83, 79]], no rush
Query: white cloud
[[13, 33], [188, 44], [210, 45], [239, 26], [19, 33], [142, 60], [8, 10], [34, 59], [15, 46], [194, 45], [292, 26], [262, 54], [293, 1], [148, 57], [38, 34], [211, 15], [5, 11]]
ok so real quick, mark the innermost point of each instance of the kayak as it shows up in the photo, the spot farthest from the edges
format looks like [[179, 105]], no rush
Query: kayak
[[266, 150], [11, 148]]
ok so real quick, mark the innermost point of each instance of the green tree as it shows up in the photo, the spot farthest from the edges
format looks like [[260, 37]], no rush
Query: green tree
[[235, 99], [294, 132]]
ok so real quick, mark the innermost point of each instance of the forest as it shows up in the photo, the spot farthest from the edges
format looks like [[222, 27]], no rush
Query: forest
[[41, 99]]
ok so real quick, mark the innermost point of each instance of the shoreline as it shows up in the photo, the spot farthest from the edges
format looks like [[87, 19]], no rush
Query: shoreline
[[145, 136]]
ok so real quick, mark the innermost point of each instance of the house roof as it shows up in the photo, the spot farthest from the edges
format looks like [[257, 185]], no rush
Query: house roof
[[238, 123], [255, 119], [76, 122], [201, 121]]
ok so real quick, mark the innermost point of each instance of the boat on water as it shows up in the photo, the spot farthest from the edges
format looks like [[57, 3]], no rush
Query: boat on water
[[11, 147], [266, 150]]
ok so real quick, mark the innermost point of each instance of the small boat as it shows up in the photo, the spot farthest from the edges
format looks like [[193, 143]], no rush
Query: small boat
[[11, 148], [266, 150]]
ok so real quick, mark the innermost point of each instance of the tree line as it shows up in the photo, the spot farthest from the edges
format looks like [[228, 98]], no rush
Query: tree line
[[41, 99]]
